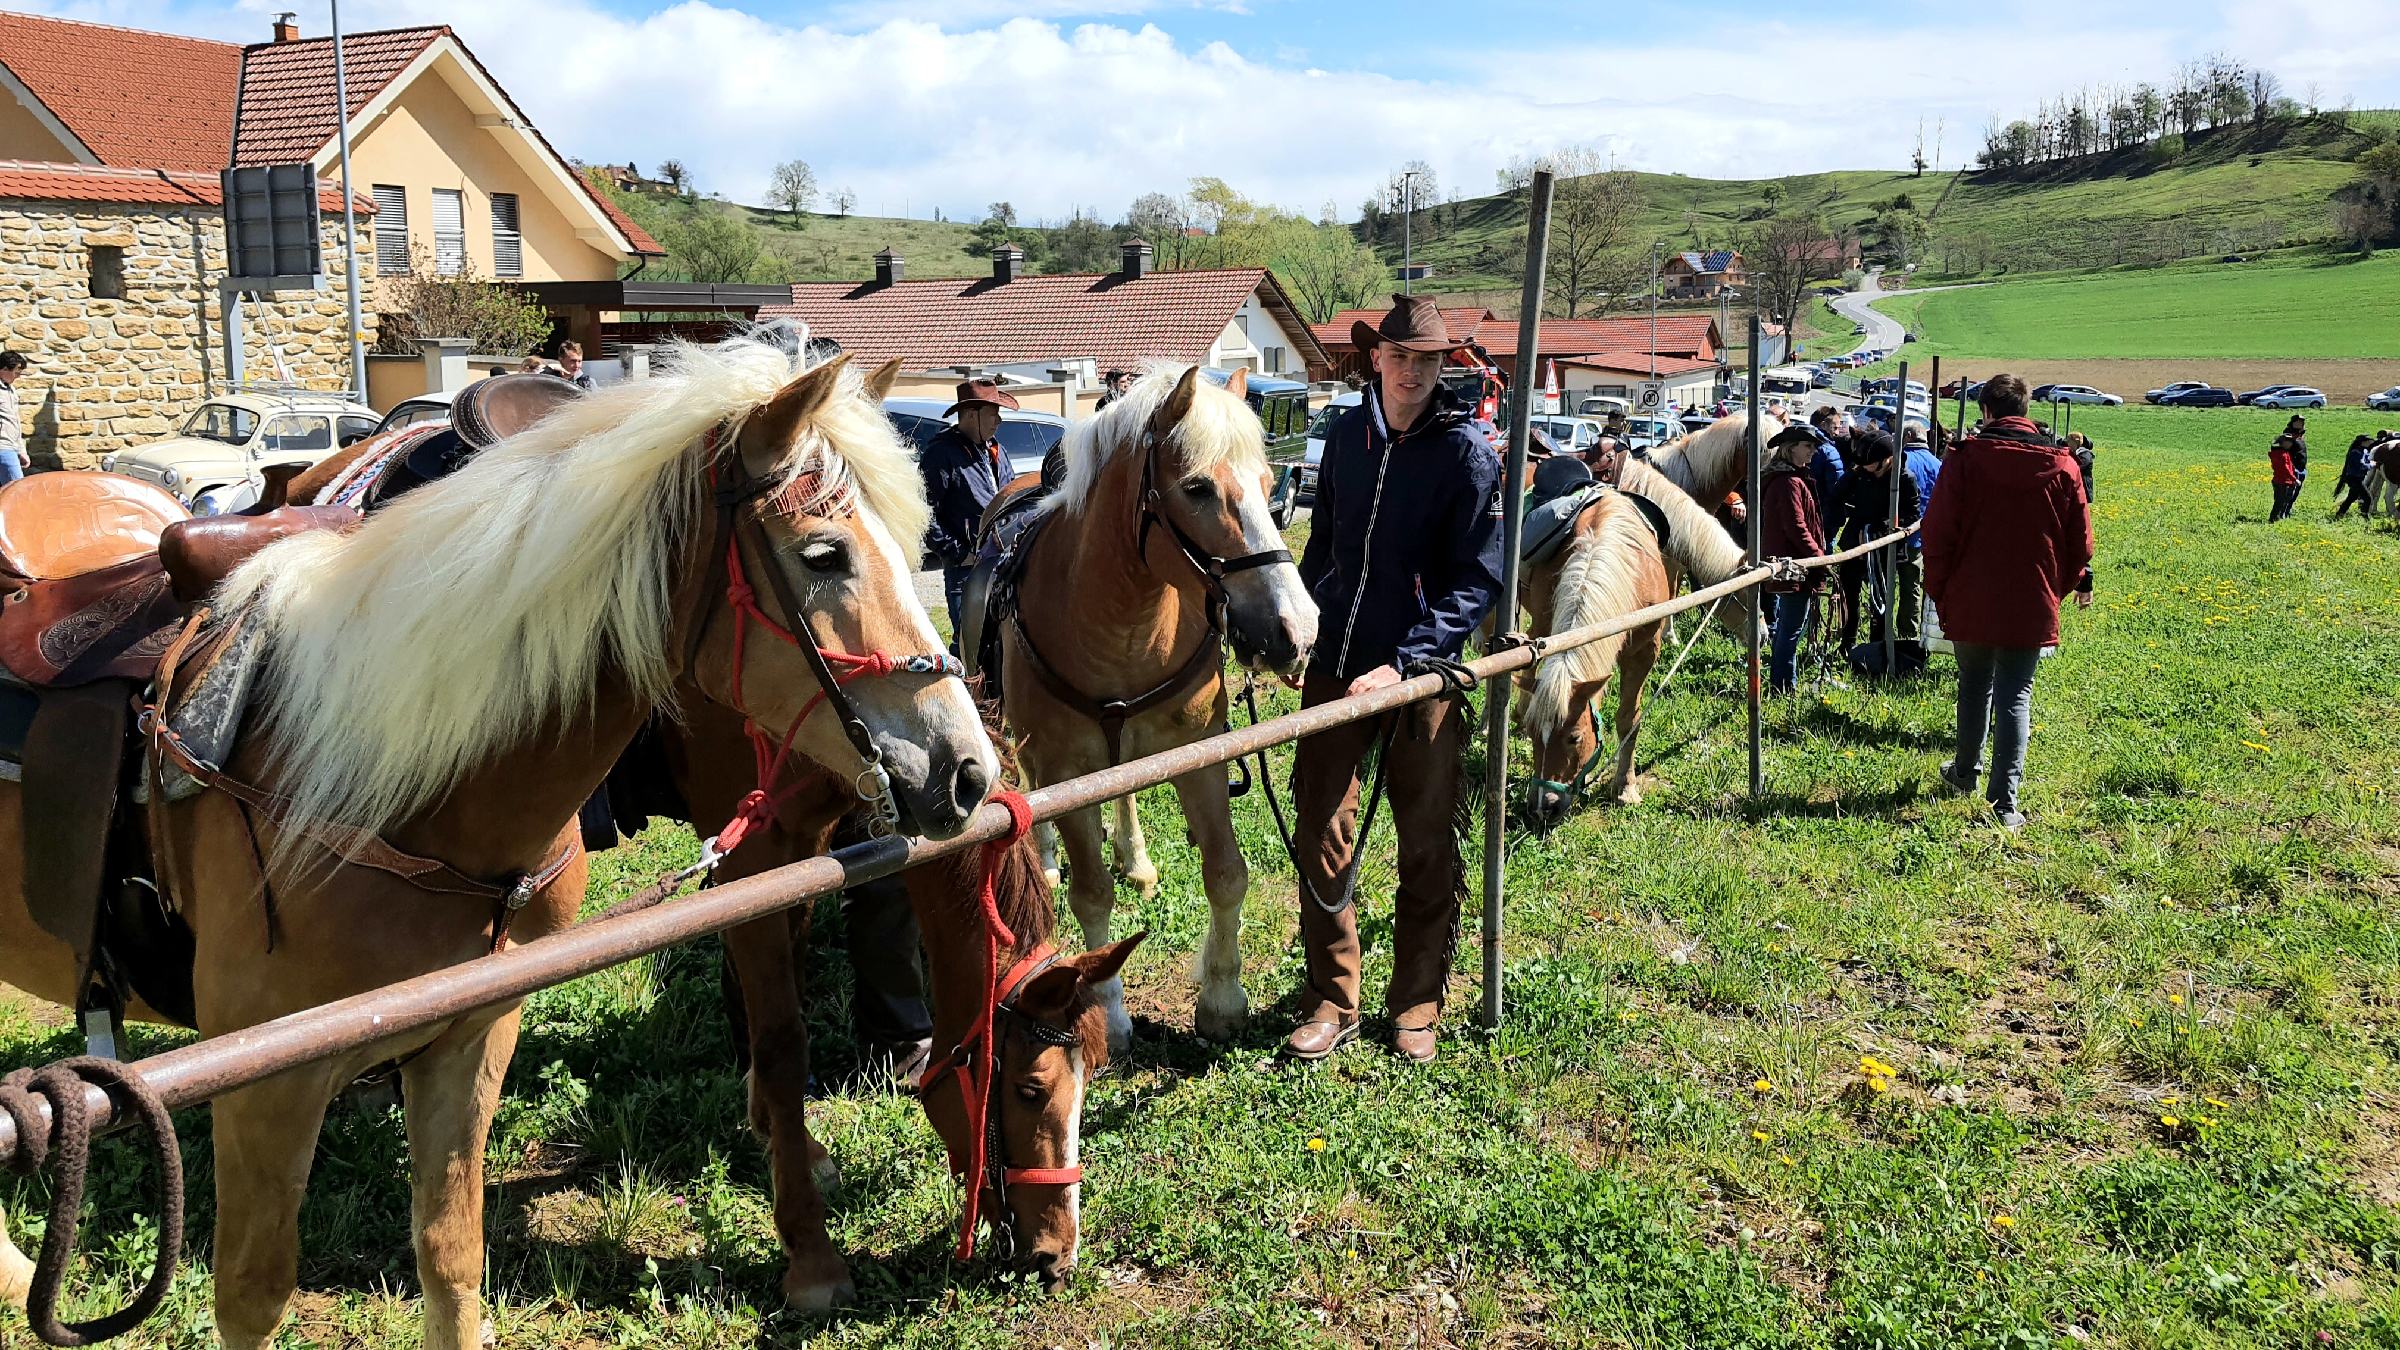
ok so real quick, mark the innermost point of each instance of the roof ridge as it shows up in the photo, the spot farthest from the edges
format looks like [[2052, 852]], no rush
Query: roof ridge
[[121, 28], [434, 29]]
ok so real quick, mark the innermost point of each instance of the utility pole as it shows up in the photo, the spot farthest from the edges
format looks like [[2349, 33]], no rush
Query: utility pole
[[1654, 257], [341, 122], [1408, 222]]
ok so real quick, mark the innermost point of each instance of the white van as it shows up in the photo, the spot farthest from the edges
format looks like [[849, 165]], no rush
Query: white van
[[1785, 382]]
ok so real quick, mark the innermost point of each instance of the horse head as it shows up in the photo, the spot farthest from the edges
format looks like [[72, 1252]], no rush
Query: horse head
[[1206, 480], [821, 509], [1564, 751]]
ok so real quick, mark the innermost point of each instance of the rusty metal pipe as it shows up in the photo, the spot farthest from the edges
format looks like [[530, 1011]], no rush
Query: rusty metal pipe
[[195, 1073]]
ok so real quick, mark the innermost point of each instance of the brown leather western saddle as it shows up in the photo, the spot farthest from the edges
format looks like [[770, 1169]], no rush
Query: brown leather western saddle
[[98, 576]]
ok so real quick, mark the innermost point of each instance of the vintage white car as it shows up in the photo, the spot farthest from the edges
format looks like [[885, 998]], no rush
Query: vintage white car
[[212, 465]]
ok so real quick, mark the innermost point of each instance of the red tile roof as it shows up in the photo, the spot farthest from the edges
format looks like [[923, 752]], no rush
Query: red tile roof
[[1461, 324], [1636, 363], [134, 99], [286, 114], [29, 180], [976, 321]]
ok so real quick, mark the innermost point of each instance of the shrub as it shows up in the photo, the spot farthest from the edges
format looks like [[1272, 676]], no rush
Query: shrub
[[423, 304]]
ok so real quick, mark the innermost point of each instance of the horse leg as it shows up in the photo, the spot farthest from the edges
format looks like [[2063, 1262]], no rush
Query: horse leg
[[1046, 835], [452, 1087], [1092, 894], [266, 1139], [16, 1271], [1633, 671], [1208, 814], [814, 1275], [1132, 849]]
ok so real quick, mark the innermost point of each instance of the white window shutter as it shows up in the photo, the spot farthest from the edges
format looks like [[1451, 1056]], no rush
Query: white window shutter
[[449, 231], [508, 244], [391, 229]]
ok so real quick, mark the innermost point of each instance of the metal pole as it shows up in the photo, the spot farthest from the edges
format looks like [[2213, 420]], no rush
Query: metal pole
[[1512, 529], [1654, 315], [1408, 229], [1891, 557], [341, 99], [1750, 490]]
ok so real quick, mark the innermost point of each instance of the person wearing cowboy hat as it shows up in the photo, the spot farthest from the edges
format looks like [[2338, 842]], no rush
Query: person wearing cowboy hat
[[1404, 562], [963, 469]]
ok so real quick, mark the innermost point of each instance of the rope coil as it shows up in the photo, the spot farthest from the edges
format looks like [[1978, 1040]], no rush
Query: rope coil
[[69, 1143]]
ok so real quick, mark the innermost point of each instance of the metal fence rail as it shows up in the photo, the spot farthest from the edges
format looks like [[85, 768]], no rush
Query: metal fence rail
[[195, 1073]]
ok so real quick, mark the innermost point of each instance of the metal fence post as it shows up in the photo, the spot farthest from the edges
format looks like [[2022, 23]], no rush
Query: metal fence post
[[1891, 557], [1758, 604], [1512, 529]]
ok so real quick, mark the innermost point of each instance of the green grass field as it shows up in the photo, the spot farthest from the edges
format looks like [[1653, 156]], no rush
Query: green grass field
[[2144, 1053], [832, 248], [2299, 304]]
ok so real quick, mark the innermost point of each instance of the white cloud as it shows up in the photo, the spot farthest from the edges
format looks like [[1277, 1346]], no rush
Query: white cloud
[[913, 113]]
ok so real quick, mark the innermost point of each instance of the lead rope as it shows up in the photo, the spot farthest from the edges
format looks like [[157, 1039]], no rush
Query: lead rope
[[70, 1141], [976, 1073]]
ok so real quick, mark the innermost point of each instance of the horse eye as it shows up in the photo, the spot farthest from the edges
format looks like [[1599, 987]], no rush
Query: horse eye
[[1032, 1093], [1199, 487], [823, 558]]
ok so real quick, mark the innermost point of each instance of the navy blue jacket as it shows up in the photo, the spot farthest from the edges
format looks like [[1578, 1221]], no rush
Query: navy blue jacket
[[1432, 571], [960, 481], [1826, 471]]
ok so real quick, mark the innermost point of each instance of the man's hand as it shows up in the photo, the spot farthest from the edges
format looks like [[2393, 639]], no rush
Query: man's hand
[[1381, 677]]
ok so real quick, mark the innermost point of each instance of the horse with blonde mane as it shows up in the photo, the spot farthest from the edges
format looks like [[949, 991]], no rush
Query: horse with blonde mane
[[449, 681], [1710, 462], [1613, 564], [1156, 553]]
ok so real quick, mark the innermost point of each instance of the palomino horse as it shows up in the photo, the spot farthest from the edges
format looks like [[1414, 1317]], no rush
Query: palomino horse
[[456, 676], [1156, 550], [1709, 462], [1054, 1033], [1613, 564]]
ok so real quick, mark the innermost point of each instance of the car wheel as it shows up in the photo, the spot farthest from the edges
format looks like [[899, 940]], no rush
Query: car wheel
[[1285, 508]]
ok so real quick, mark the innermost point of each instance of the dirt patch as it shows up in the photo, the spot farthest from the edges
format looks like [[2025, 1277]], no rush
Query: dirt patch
[[2346, 381]]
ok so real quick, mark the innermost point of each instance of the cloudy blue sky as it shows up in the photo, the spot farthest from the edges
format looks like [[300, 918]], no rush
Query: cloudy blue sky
[[1061, 105]]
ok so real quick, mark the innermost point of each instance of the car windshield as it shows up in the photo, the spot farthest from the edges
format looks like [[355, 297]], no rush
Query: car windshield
[[1323, 421], [221, 422], [1026, 442]]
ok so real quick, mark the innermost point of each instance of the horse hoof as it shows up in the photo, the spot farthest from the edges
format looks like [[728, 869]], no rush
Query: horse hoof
[[805, 1295], [1050, 875], [827, 1174], [1221, 1024], [1629, 796]]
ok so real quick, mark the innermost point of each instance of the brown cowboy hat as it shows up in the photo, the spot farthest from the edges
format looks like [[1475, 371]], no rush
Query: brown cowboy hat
[[1415, 324], [980, 391]]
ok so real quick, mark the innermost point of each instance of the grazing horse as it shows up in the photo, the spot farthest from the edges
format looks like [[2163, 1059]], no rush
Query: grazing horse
[[1037, 1093], [454, 677], [1157, 551], [1614, 563]]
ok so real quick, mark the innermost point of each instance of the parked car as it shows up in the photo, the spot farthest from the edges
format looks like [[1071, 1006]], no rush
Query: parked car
[[2387, 401], [1573, 435], [1881, 416], [430, 407], [1304, 479], [1601, 406], [1698, 419], [1282, 408], [2160, 395], [2203, 396], [2291, 396], [1822, 378], [2255, 395], [1643, 432], [2075, 393], [212, 463], [1025, 436]]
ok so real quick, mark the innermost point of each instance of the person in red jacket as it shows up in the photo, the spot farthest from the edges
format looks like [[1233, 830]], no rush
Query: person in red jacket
[[1789, 527], [2008, 536], [2283, 464]]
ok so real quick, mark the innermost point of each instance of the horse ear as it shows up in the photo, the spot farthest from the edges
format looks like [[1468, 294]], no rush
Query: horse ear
[[780, 420], [1239, 384], [1101, 966], [1171, 413], [1050, 996], [879, 384]]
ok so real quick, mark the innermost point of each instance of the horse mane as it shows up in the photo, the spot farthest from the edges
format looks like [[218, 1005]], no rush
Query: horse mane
[[484, 608], [1696, 539], [1708, 462], [1600, 579], [1220, 429]]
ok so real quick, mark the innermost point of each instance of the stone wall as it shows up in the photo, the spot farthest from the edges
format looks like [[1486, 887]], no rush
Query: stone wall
[[109, 373]]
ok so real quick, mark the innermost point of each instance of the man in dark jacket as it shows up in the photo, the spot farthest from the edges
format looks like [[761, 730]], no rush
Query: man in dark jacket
[[2007, 536], [1404, 562], [2352, 489], [1832, 460], [963, 470]]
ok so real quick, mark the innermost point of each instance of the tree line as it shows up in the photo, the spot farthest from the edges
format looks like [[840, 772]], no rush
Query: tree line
[[2215, 91]]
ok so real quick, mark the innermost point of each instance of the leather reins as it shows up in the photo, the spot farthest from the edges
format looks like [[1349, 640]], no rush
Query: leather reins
[[1208, 655]]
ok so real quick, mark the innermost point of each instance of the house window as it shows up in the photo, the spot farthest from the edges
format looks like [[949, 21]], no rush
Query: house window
[[108, 272], [508, 246], [391, 229], [1274, 359], [449, 231]]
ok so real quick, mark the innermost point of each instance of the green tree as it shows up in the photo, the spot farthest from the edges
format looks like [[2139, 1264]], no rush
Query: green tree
[[422, 304], [1082, 245], [793, 187], [714, 245], [1903, 233], [1324, 266]]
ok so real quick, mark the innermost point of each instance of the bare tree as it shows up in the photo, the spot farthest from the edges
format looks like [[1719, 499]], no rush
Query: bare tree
[[1160, 219], [1595, 212], [793, 187], [1784, 257], [843, 200], [675, 175]]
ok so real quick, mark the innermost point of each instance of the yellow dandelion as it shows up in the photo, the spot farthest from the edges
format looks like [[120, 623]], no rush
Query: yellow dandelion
[[2211, 1101], [2204, 1121], [2176, 999], [1762, 1136], [1879, 1085], [2005, 1220], [2135, 1022], [2169, 1121], [1762, 1085], [1316, 1145], [2258, 747], [1785, 1159], [2169, 1101]]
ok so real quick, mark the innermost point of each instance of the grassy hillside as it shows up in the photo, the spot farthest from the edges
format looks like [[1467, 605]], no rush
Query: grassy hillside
[[2299, 304], [2142, 1055], [823, 247], [2238, 188]]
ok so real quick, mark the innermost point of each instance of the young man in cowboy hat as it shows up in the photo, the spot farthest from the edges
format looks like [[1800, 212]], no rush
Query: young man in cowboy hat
[[963, 469], [1404, 562]]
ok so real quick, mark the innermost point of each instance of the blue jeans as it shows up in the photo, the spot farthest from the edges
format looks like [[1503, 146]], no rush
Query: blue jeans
[[1995, 688], [954, 591], [12, 467], [1783, 653]]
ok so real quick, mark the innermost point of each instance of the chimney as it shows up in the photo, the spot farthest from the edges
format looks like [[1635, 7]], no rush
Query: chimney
[[286, 27], [1137, 259], [889, 267], [1007, 261]]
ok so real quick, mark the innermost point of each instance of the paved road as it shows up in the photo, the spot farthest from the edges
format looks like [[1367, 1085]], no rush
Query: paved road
[[1883, 331]]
